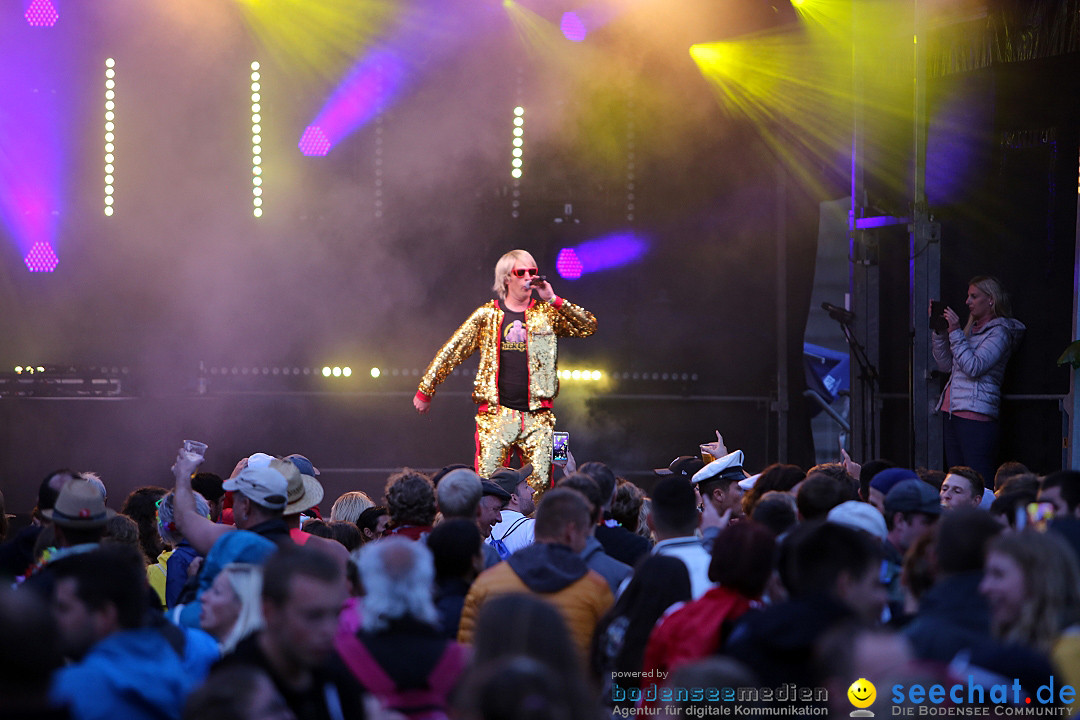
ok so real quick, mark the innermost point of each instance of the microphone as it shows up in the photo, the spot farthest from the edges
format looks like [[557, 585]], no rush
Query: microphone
[[537, 280], [838, 313]]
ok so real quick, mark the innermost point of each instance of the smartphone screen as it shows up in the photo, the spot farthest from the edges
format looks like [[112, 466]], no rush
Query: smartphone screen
[[561, 443]]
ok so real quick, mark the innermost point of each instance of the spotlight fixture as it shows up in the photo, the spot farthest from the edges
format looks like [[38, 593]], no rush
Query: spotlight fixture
[[580, 375], [516, 161], [41, 258], [41, 13], [256, 141], [314, 142], [110, 136], [568, 264], [518, 144], [573, 29]]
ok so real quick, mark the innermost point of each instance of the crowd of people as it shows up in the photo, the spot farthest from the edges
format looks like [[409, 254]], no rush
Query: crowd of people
[[481, 598]]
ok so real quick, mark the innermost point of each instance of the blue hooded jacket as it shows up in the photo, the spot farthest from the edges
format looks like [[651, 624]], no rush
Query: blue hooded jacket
[[131, 674]]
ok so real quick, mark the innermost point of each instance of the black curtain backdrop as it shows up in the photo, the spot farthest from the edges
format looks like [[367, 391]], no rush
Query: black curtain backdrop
[[1002, 180]]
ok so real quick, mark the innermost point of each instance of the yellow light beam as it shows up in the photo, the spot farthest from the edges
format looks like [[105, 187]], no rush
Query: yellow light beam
[[317, 37], [797, 86]]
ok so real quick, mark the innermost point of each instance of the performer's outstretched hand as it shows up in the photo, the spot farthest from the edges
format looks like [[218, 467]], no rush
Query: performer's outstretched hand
[[422, 406]]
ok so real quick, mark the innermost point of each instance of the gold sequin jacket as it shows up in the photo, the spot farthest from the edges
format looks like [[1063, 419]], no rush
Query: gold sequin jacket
[[545, 322]]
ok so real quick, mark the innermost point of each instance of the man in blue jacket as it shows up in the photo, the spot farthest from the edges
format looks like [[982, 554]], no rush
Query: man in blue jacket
[[124, 666]]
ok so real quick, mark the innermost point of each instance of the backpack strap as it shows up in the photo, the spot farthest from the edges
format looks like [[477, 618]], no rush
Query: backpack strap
[[417, 702], [517, 523]]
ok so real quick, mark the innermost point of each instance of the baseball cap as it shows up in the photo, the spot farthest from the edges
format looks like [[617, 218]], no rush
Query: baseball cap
[[888, 478], [913, 496], [861, 516], [684, 465], [508, 478], [264, 486], [259, 460], [305, 465]]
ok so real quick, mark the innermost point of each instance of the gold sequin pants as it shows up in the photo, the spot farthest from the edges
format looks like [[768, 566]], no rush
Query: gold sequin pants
[[499, 430]]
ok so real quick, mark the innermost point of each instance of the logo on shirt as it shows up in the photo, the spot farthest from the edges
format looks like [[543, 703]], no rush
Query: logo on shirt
[[514, 337]]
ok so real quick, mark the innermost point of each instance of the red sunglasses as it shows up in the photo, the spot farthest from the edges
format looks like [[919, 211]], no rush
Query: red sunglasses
[[520, 272]]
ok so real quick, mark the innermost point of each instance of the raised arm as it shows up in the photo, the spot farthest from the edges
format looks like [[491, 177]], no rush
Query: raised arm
[[571, 320], [197, 529]]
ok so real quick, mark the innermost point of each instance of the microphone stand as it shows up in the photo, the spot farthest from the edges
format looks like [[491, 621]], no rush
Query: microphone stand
[[868, 379]]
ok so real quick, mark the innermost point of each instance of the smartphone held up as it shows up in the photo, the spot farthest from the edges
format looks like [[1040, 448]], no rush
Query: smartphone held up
[[938, 323], [560, 447]]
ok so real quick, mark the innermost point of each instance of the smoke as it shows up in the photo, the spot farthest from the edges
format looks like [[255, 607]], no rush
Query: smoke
[[373, 255]]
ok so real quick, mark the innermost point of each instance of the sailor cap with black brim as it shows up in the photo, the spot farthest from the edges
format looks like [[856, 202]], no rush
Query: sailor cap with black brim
[[728, 467]]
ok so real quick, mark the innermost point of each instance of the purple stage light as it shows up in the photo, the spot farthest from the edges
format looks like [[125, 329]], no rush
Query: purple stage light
[[314, 142], [370, 86], [572, 27], [41, 13], [35, 149], [568, 264], [614, 250], [386, 72], [603, 253], [41, 258]]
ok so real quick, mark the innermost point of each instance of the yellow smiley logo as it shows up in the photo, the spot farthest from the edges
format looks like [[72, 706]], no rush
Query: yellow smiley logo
[[862, 693]]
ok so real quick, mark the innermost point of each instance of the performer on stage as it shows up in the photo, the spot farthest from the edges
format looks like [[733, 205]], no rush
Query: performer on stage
[[517, 381]]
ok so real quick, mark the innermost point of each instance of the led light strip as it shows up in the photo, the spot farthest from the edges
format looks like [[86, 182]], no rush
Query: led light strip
[[519, 142], [110, 134], [256, 141]]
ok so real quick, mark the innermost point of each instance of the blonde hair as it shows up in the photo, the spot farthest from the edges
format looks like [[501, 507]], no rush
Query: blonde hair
[[348, 507], [246, 582], [505, 266], [1051, 585], [999, 299]]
